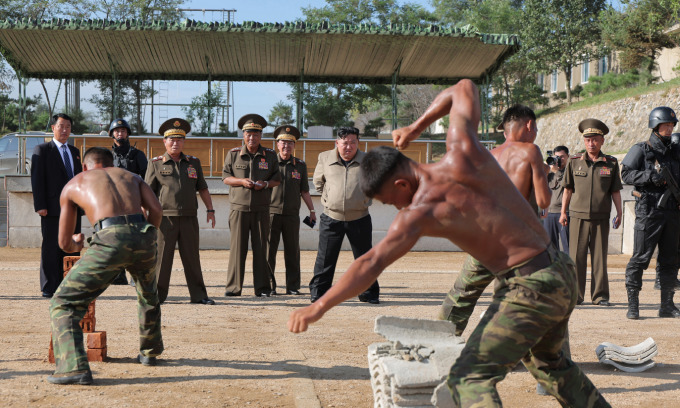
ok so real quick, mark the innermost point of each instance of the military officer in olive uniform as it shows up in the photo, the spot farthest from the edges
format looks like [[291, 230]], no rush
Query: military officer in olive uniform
[[251, 172], [655, 225], [175, 178], [125, 157], [591, 182], [284, 211]]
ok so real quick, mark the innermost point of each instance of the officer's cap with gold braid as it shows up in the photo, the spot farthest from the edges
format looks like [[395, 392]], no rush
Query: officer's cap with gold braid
[[252, 121], [592, 127], [287, 132], [174, 127]]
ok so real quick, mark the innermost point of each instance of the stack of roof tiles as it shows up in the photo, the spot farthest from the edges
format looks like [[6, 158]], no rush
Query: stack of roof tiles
[[632, 359]]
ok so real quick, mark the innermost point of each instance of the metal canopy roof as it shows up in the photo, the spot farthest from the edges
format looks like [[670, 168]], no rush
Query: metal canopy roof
[[191, 50]]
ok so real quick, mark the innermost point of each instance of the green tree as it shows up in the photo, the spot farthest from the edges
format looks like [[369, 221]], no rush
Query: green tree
[[281, 114], [381, 12], [130, 95], [639, 32], [560, 34], [203, 110]]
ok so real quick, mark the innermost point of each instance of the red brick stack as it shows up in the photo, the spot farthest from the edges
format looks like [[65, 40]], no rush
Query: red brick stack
[[96, 340]]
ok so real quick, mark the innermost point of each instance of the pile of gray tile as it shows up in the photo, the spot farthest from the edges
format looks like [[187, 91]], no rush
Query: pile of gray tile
[[416, 359], [634, 359]]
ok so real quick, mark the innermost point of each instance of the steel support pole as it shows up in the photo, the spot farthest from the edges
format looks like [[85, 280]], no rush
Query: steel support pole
[[395, 76], [300, 92]]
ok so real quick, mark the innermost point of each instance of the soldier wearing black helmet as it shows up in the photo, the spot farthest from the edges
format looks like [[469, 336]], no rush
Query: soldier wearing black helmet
[[125, 157], [654, 225]]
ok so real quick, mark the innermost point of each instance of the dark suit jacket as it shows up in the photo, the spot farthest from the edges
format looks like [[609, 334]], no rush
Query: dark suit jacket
[[48, 176]]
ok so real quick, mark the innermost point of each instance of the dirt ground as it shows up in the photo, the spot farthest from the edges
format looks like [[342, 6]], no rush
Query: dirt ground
[[239, 352]]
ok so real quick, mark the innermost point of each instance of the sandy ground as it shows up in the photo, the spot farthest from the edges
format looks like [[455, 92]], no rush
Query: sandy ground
[[239, 352]]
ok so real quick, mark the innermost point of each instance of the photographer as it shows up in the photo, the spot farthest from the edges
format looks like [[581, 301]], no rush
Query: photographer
[[557, 162], [654, 225]]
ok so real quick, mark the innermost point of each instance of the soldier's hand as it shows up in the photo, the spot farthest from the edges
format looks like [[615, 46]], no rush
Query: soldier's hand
[[78, 242], [211, 218], [312, 216], [402, 137], [247, 183], [563, 220], [658, 180], [42, 213], [300, 319], [259, 185]]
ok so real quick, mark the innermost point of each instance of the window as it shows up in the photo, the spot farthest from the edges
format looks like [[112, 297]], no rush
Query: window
[[585, 72], [553, 85], [603, 66], [541, 81]]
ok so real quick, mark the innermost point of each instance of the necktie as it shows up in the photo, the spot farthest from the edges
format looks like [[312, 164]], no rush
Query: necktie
[[67, 162]]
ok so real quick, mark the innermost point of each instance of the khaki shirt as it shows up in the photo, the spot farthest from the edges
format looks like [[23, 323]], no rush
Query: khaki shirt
[[263, 165], [593, 184], [555, 184], [286, 196], [176, 183], [341, 195]]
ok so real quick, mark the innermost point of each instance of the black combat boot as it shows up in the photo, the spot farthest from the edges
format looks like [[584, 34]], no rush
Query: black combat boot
[[657, 285], [667, 308], [633, 303]]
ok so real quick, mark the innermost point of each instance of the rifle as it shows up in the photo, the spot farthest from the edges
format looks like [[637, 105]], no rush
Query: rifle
[[672, 188]]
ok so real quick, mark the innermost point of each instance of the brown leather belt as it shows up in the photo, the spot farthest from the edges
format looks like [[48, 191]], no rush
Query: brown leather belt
[[540, 261]]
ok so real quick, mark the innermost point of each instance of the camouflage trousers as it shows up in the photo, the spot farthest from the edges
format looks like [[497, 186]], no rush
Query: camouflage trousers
[[466, 291], [526, 321], [130, 246]]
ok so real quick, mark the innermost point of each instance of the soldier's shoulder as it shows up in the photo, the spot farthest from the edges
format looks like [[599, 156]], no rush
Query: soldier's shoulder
[[576, 156], [611, 158], [235, 149], [157, 158], [190, 157], [269, 151]]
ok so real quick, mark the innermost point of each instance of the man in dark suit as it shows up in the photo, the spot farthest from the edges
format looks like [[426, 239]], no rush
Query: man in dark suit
[[53, 165]]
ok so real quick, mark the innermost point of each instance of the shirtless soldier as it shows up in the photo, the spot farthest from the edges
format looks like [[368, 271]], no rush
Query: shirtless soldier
[[468, 199], [523, 163], [113, 200]]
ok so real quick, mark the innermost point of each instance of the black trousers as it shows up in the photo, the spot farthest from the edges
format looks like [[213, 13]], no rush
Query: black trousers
[[51, 256], [556, 231], [331, 233], [657, 227], [288, 227]]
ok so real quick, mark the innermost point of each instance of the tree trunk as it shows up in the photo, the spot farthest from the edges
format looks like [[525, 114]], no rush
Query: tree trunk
[[567, 72], [138, 96]]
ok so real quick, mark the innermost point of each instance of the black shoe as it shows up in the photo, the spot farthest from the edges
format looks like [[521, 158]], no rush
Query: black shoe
[[47, 295], [579, 302], [313, 299], [206, 301], [232, 294], [273, 293], [374, 301], [263, 294], [147, 361], [604, 303], [83, 377], [292, 292]]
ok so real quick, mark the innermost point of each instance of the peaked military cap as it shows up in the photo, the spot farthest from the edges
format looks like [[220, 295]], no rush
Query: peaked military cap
[[252, 121], [174, 127], [287, 132], [592, 127]]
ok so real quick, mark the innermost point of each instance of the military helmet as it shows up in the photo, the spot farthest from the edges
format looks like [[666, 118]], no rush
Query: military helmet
[[661, 114], [119, 123]]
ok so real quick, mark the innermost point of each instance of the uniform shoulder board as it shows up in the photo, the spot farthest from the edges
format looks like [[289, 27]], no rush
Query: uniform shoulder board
[[190, 156], [157, 158], [299, 160], [235, 149], [269, 150], [612, 158], [576, 156]]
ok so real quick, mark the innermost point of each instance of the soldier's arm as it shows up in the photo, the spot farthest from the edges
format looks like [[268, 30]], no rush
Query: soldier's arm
[[205, 197], [142, 162], [68, 241], [151, 205], [539, 178], [633, 168], [403, 234], [460, 102]]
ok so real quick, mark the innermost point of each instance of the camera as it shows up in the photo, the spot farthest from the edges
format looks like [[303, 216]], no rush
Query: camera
[[552, 159]]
